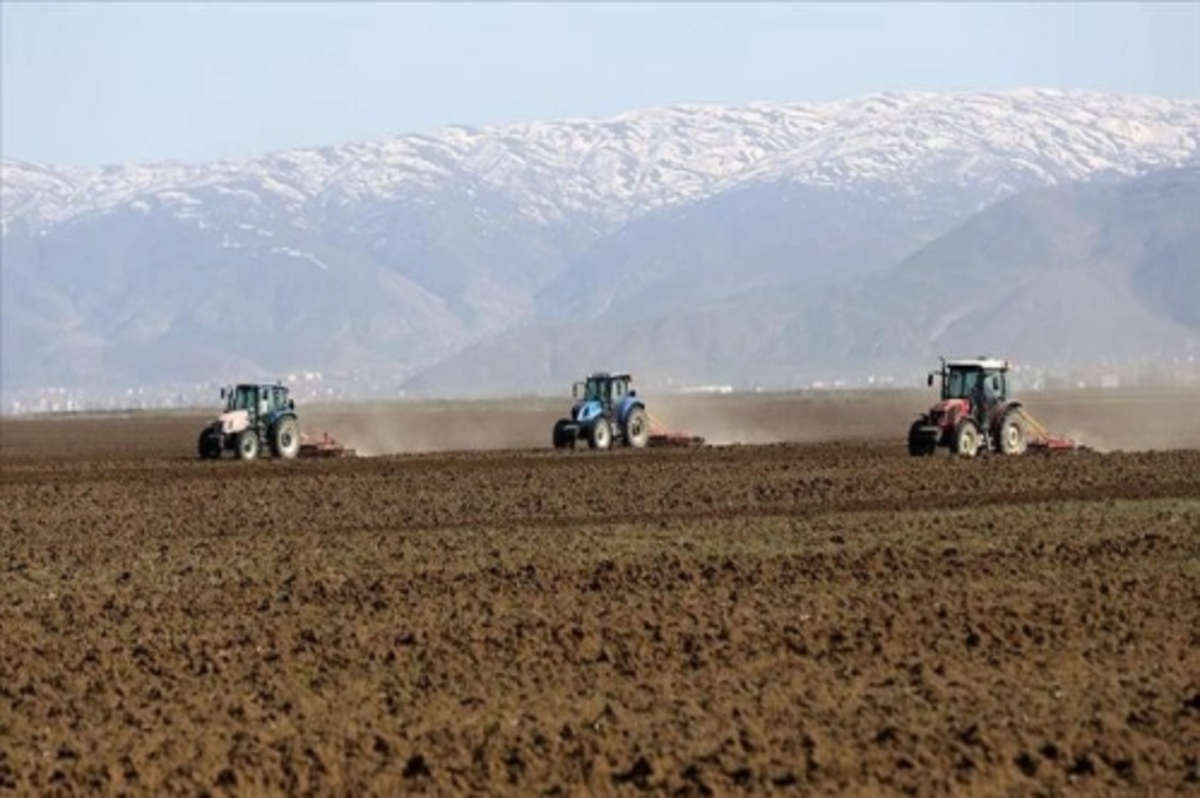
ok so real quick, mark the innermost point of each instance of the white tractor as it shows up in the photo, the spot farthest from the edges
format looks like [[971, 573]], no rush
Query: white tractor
[[257, 418]]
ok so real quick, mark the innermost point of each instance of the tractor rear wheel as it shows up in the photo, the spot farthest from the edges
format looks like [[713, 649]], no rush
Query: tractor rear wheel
[[285, 440], [966, 439], [562, 438], [247, 445], [637, 429], [1012, 434], [600, 434]]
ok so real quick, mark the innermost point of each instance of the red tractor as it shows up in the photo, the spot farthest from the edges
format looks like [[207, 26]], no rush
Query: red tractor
[[974, 413]]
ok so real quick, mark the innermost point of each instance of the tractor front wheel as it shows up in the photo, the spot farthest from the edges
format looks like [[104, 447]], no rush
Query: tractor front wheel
[[1012, 434], [918, 445], [563, 439], [247, 445], [637, 429], [209, 445], [600, 434], [966, 439], [285, 442]]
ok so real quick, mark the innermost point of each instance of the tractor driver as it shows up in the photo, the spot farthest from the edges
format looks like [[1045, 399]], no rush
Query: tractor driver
[[984, 397]]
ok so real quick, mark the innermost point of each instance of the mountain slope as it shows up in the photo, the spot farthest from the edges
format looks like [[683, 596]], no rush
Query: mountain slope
[[1065, 276], [756, 235], [387, 257]]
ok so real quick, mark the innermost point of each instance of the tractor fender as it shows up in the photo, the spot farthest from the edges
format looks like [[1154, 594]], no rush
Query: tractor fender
[[274, 419], [627, 406]]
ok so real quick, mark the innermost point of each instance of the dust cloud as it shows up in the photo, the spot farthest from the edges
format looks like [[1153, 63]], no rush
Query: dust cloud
[[1104, 421], [754, 419], [720, 423], [399, 429], [1126, 421]]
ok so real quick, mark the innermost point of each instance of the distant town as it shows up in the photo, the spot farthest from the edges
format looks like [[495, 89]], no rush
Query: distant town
[[316, 387]]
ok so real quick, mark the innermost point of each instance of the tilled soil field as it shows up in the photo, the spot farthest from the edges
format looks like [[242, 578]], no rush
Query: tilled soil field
[[803, 617]]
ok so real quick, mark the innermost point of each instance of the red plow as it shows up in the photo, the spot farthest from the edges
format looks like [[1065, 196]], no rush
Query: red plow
[[1043, 440], [325, 446], [660, 436]]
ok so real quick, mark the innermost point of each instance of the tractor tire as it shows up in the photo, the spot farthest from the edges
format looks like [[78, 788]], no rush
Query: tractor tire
[[600, 434], [285, 439], [209, 445], [966, 439], [562, 438], [637, 429], [917, 446], [247, 445], [1012, 439]]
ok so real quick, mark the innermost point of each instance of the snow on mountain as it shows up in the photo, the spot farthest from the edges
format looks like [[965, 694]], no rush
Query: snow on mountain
[[394, 255], [615, 169]]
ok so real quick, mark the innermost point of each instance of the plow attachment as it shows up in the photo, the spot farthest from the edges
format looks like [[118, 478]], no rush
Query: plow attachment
[[1042, 439], [660, 436], [325, 446]]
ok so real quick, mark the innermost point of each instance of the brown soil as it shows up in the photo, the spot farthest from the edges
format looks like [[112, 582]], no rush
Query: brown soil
[[827, 617]]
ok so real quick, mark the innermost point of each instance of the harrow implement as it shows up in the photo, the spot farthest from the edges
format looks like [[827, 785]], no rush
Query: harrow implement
[[1042, 439], [661, 436], [325, 446]]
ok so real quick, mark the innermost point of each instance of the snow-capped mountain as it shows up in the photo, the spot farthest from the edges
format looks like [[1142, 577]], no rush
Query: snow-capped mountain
[[394, 254], [640, 161]]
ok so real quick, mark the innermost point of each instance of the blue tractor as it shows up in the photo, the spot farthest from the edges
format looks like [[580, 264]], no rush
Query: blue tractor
[[606, 412]]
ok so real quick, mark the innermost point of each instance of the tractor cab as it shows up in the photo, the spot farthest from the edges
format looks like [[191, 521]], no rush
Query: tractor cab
[[259, 401], [981, 382], [604, 388]]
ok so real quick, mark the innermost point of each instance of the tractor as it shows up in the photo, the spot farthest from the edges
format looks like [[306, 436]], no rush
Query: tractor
[[606, 412], [256, 416], [974, 414]]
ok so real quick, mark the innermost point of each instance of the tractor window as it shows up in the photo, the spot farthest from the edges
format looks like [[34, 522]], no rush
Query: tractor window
[[596, 389], [1000, 392], [960, 384], [242, 398]]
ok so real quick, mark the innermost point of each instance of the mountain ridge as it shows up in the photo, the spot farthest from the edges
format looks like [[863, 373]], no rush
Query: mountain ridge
[[394, 255], [698, 143]]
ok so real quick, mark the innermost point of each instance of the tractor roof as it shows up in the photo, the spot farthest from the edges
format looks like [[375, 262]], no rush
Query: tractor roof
[[604, 375], [986, 363]]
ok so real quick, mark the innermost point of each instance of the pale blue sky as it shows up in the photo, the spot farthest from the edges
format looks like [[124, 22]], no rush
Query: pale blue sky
[[92, 83]]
